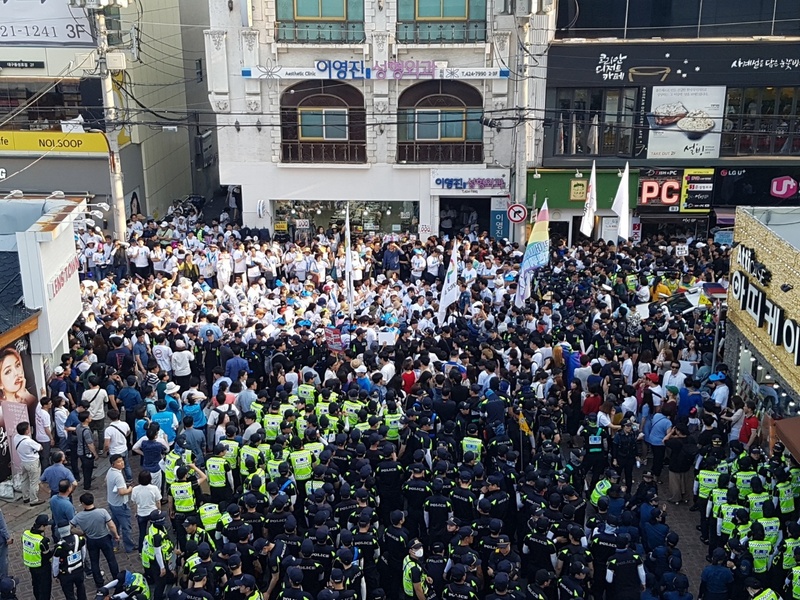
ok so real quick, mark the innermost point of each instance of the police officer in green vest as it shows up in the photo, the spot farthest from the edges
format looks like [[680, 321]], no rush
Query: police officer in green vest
[[415, 581], [761, 551], [792, 583], [179, 455], [313, 442], [391, 417], [209, 516], [757, 499], [706, 480], [472, 443], [232, 452], [306, 390], [250, 451], [302, 463], [36, 554], [184, 494], [272, 421], [610, 477], [157, 551], [785, 495], [128, 585], [744, 476], [220, 479], [758, 591]]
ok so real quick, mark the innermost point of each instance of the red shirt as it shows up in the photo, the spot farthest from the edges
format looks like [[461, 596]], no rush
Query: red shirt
[[748, 427], [592, 404]]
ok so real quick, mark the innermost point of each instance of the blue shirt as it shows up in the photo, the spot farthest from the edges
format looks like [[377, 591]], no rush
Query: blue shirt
[[140, 351], [141, 426], [55, 473], [165, 420], [661, 425], [62, 509], [234, 365], [196, 412], [130, 399], [688, 400], [216, 384]]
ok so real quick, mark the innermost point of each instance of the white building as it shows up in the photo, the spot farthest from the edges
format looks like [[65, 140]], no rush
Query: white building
[[404, 108]]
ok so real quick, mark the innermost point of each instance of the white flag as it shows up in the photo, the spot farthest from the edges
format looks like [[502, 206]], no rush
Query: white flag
[[590, 208], [348, 262], [450, 285], [621, 206]]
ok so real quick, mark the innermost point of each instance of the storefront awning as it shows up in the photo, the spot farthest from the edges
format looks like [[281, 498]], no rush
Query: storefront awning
[[665, 217], [725, 216], [789, 433]]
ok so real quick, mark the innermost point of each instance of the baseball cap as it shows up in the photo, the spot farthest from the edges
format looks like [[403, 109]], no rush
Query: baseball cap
[[247, 581]]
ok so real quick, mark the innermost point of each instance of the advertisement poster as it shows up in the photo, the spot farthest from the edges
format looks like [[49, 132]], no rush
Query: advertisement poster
[[685, 122], [17, 401]]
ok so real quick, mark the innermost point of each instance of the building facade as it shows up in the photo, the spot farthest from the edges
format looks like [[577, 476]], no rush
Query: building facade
[[52, 127], [700, 99], [410, 111]]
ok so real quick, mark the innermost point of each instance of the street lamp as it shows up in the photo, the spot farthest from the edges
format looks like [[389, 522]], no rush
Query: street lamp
[[101, 205], [15, 195]]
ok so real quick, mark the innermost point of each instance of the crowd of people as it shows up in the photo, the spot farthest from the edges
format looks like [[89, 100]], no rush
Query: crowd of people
[[281, 437]]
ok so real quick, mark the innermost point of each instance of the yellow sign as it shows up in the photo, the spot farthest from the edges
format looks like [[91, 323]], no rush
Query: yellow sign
[[577, 190], [52, 142], [696, 190], [281, 226]]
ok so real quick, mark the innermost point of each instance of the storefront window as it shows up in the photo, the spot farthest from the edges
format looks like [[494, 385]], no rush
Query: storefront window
[[302, 220], [595, 122], [761, 121], [39, 112]]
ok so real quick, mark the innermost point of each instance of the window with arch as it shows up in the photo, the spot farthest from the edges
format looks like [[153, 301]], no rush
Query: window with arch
[[440, 122], [323, 122]]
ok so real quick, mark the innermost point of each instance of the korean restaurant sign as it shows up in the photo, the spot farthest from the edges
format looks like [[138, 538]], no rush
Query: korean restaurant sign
[[747, 290], [654, 64]]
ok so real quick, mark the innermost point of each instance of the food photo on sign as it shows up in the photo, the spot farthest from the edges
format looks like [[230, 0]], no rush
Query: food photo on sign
[[685, 122]]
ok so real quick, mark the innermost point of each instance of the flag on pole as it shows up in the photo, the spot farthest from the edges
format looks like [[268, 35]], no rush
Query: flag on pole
[[537, 254], [590, 207], [621, 206], [348, 262], [450, 285]]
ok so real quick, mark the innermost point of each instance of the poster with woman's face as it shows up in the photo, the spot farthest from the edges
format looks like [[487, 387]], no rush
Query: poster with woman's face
[[17, 401]]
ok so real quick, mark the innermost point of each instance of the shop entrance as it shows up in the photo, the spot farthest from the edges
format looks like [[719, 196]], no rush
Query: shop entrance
[[463, 212]]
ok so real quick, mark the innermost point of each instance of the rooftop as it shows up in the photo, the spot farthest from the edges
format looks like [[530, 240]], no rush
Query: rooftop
[[783, 221]]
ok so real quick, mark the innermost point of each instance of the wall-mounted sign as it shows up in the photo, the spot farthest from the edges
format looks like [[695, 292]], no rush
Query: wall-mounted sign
[[52, 141], [577, 190], [2, 173], [359, 69], [43, 23], [685, 122], [754, 300], [675, 190], [475, 182], [649, 64], [21, 64], [757, 186], [66, 273]]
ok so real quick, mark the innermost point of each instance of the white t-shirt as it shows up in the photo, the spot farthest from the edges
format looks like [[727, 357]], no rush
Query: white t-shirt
[[116, 434], [43, 421], [97, 403], [180, 362], [147, 499]]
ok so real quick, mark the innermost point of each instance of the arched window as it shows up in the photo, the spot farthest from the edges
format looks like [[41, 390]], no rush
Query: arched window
[[440, 122], [323, 122]]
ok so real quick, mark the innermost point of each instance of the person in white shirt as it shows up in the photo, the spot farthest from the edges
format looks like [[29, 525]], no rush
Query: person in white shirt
[[116, 438], [28, 451], [627, 366], [147, 498], [721, 391], [674, 376], [181, 364], [44, 430], [139, 255], [163, 353]]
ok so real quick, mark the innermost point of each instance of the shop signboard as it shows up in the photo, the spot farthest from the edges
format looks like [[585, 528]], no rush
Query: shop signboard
[[472, 182], [757, 186], [53, 141], [724, 238], [636, 230], [378, 70], [43, 23], [675, 190], [685, 122], [655, 64], [498, 219]]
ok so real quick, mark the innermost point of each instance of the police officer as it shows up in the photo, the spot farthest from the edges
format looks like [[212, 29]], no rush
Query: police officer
[[68, 556], [197, 585], [717, 578], [415, 581], [184, 494], [220, 480], [294, 577], [157, 554], [595, 441], [625, 572], [458, 588], [758, 591], [36, 554], [127, 586], [247, 587]]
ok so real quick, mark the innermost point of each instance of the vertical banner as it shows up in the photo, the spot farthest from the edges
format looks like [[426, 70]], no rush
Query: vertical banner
[[17, 401], [499, 226]]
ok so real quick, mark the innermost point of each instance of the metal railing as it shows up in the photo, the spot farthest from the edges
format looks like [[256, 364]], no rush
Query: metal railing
[[434, 32], [323, 152], [440, 152], [317, 32]]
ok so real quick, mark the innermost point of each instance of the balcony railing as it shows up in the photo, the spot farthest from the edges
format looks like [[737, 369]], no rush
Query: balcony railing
[[434, 32], [440, 152], [323, 152], [334, 32]]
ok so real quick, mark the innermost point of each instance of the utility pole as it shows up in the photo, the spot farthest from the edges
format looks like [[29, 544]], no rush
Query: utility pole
[[112, 129]]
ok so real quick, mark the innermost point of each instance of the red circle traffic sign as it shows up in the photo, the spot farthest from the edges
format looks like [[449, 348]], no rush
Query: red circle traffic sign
[[517, 213]]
